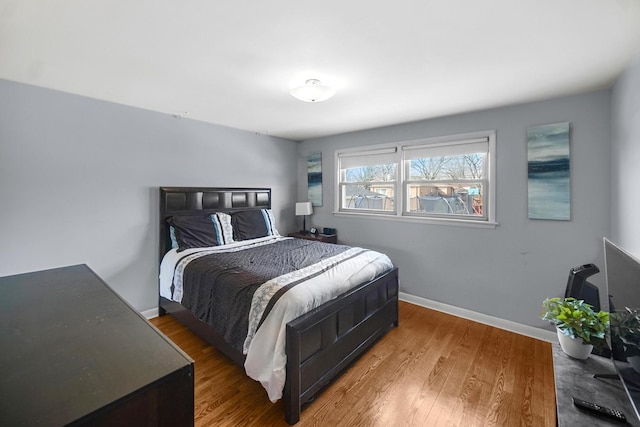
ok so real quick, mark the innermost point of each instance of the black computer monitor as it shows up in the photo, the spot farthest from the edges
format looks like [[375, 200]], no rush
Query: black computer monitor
[[622, 271]]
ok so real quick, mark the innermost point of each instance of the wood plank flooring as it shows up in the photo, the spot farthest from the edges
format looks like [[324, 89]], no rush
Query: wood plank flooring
[[433, 370]]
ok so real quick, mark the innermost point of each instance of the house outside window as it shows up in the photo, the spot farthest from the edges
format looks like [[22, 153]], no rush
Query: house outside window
[[436, 179]]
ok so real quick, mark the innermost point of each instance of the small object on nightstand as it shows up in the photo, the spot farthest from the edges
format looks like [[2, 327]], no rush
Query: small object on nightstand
[[313, 230]]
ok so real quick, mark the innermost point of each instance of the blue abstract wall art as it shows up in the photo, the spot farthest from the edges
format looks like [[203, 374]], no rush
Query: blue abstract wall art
[[548, 172], [314, 178]]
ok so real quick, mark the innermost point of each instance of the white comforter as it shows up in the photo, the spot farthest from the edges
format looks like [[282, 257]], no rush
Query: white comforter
[[265, 347]]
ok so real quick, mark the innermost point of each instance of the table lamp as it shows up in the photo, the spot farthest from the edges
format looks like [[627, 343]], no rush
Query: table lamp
[[304, 209]]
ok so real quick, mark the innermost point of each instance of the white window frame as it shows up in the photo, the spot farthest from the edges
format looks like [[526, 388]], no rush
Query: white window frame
[[401, 184], [368, 156]]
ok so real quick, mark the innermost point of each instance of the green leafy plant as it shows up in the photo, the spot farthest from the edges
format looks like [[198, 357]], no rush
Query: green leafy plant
[[576, 319]]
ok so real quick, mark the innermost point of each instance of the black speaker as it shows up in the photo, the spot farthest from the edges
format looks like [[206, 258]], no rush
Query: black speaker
[[577, 287]]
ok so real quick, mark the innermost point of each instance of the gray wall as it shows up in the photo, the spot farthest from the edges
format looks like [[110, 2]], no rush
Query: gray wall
[[625, 159], [78, 181], [508, 271], [79, 178]]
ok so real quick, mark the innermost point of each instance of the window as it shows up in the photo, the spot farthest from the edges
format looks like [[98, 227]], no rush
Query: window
[[446, 178], [368, 180]]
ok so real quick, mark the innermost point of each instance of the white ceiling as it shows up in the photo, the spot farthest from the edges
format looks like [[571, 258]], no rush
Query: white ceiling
[[232, 62]]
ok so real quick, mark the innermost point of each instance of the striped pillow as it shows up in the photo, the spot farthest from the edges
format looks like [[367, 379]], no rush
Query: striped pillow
[[195, 231], [222, 224], [253, 224]]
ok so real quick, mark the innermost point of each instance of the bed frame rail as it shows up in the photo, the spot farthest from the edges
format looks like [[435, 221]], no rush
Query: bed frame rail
[[323, 342]]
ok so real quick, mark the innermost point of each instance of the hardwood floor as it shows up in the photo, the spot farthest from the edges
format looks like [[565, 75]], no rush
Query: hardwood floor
[[433, 370]]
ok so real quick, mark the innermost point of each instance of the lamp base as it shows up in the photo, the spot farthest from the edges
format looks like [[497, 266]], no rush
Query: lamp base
[[303, 231]]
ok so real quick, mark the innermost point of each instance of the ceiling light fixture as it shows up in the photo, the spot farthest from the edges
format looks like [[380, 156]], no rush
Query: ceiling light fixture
[[313, 91]]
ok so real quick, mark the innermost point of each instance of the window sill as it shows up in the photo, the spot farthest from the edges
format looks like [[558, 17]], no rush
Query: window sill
[[420, 220]]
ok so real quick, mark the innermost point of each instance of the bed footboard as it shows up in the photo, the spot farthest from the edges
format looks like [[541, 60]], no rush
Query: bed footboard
[[323, 342]]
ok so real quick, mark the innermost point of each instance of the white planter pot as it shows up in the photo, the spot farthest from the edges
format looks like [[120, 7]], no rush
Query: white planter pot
[[574, 347]]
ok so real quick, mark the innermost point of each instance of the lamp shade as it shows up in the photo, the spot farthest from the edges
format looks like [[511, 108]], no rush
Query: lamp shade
[[313, 91], [304, 208]]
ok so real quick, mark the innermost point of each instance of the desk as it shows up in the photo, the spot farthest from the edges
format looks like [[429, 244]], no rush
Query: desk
[[74, 352], [574, 378]]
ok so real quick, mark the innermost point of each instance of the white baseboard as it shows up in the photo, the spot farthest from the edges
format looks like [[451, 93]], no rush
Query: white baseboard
[[150, 314], [508, 325]]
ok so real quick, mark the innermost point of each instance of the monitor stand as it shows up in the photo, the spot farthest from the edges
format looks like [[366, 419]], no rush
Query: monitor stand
[[616, 377], [607, 376]]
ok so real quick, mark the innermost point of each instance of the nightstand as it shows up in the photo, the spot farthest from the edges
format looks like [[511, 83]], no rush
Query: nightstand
[[326, 238]]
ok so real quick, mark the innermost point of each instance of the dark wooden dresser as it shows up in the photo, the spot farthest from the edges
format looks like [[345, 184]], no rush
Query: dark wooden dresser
[[72, 351]]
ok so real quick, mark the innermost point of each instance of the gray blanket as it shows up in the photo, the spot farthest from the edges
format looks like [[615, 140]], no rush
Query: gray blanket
[[218, 288]]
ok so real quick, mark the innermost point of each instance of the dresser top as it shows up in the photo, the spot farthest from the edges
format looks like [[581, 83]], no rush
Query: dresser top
[[71, 345]]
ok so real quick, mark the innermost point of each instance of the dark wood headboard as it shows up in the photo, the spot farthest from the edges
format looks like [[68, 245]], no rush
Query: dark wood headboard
[[205, 200]]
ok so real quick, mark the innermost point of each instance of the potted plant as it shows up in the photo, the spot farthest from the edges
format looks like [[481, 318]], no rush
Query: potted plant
[[579, 327]]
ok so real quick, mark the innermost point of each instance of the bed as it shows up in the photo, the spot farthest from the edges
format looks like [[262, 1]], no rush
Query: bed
[[316, 345]]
